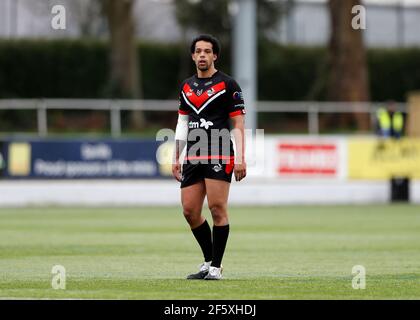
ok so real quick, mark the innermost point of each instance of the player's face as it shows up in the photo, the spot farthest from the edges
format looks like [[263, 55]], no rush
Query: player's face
[[203, 55]]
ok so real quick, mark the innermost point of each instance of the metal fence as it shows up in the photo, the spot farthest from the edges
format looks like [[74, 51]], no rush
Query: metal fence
[[114, 107]]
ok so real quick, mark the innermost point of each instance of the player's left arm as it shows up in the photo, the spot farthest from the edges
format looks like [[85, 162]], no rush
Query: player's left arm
[[237, 112], [238, 124]]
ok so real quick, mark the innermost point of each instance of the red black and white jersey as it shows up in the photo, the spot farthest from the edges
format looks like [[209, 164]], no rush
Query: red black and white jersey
[[209, 104]]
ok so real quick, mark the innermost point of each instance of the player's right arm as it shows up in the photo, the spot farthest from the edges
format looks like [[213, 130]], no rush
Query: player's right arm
[[181, 135]]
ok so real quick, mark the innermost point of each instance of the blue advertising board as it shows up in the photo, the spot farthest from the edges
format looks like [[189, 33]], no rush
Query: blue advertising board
[[2, 160], [81, 159]]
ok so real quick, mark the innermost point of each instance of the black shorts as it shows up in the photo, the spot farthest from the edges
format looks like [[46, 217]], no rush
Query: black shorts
[[195, 172]]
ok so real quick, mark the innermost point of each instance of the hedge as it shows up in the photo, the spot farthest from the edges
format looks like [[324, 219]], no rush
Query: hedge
[[80, 69]]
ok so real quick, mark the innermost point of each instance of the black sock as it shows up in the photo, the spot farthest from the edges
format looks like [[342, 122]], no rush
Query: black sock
[[220, 236], [203, 235]]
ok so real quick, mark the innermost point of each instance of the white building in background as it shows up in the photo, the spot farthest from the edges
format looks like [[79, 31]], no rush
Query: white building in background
[[390, 23]]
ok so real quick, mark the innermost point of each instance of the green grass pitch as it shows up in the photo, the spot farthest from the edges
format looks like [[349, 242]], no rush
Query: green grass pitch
[[285, 252]]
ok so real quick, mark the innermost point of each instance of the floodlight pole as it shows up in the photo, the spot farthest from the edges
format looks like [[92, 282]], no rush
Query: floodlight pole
[[245, 54], [13, 18], [400, 10]]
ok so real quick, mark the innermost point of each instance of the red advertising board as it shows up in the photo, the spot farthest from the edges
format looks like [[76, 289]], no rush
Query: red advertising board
[[306, 159]]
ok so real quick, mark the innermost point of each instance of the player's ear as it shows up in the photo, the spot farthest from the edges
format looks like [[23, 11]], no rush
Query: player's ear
[[215, 57]]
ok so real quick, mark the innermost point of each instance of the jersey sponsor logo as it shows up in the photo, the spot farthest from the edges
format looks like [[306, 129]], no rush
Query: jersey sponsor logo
[[237, 95], [205, 124], [202, 124], [208, 83], [193, 125], [199, 92], [217, 167], [210, 92], [199, 102], [189, 92]]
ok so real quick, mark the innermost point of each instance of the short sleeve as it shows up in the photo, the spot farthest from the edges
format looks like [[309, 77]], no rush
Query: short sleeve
[[236, 105], [182, 107]]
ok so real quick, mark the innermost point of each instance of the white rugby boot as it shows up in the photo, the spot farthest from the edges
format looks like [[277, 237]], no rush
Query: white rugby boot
[[204, 270], [214, 273]]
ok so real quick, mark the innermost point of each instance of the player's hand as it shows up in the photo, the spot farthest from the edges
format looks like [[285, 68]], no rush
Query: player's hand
[[240, 171], [176, 171]]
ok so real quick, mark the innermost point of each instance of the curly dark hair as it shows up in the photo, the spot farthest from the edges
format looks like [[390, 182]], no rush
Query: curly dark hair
[[207, 38]]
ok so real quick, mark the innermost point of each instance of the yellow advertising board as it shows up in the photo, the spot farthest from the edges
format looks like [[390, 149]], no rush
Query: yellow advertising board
[[19, 159], [383, 158]]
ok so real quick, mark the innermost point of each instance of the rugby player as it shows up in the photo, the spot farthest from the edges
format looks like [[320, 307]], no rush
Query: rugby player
[[211, 111]]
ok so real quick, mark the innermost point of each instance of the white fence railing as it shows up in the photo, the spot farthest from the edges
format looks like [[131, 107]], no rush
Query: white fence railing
[[312, 108]]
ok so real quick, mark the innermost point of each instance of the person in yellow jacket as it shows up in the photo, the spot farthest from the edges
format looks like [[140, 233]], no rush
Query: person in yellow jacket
[[390, 122], [384, 122], [397, 124]]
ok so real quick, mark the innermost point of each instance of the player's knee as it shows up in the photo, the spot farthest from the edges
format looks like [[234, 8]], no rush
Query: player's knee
[[191, 214], [218, 212]]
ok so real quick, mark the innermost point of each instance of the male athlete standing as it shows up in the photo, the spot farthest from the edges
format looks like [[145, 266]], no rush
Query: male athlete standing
[[211, 104]]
